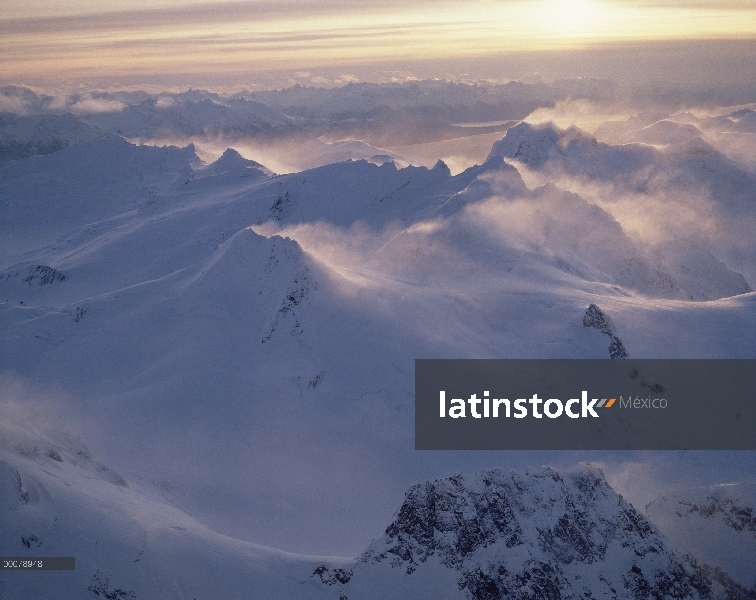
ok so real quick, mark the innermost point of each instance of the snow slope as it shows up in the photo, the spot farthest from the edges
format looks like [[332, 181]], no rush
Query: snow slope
[[687, 194], [128, 539], [506, 535], [22, 136], [488, 535], [241, 344], [716, 525]]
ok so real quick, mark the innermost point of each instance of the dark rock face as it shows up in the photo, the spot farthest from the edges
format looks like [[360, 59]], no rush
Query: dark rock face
[[101, 588], [536, 581], [740, 518], [430, 509], [278, 207], [449, 519], [596, 318], [36, 275], [541, 536], [332, 576], [44, 275], [31, 541], [297, 293]]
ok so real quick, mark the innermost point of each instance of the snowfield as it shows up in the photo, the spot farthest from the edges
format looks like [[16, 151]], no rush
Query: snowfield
[[196, 356]]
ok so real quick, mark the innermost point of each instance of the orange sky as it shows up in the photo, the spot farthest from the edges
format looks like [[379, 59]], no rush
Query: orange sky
[[66, 39]]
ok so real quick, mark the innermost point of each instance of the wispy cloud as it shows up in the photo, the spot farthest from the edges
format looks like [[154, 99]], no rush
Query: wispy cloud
[[303, 35], [89, 106]]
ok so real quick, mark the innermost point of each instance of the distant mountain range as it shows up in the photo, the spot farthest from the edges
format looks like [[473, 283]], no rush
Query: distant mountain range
[[194, 354]]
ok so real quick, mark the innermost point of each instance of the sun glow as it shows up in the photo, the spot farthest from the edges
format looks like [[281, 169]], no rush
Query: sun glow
[[303, 34], [571, 18]]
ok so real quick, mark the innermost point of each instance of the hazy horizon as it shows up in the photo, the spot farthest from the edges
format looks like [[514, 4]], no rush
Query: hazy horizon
[[230, 228], [265, 45]]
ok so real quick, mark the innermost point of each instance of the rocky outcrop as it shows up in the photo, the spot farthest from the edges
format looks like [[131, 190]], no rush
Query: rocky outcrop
[[544, 535], [37, 275], [596, 318]]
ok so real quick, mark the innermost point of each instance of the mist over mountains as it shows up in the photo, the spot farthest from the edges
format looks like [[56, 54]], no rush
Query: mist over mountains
[[418, 121], [210, 307]]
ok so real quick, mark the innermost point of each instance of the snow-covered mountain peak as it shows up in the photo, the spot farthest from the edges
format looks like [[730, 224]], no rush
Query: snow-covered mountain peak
[[547, 147], [236, 347], [533, 535], [533, 144], [232, 162], [247, 254], [87, 183], [456, 516], [529, 143], [441, 167]]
